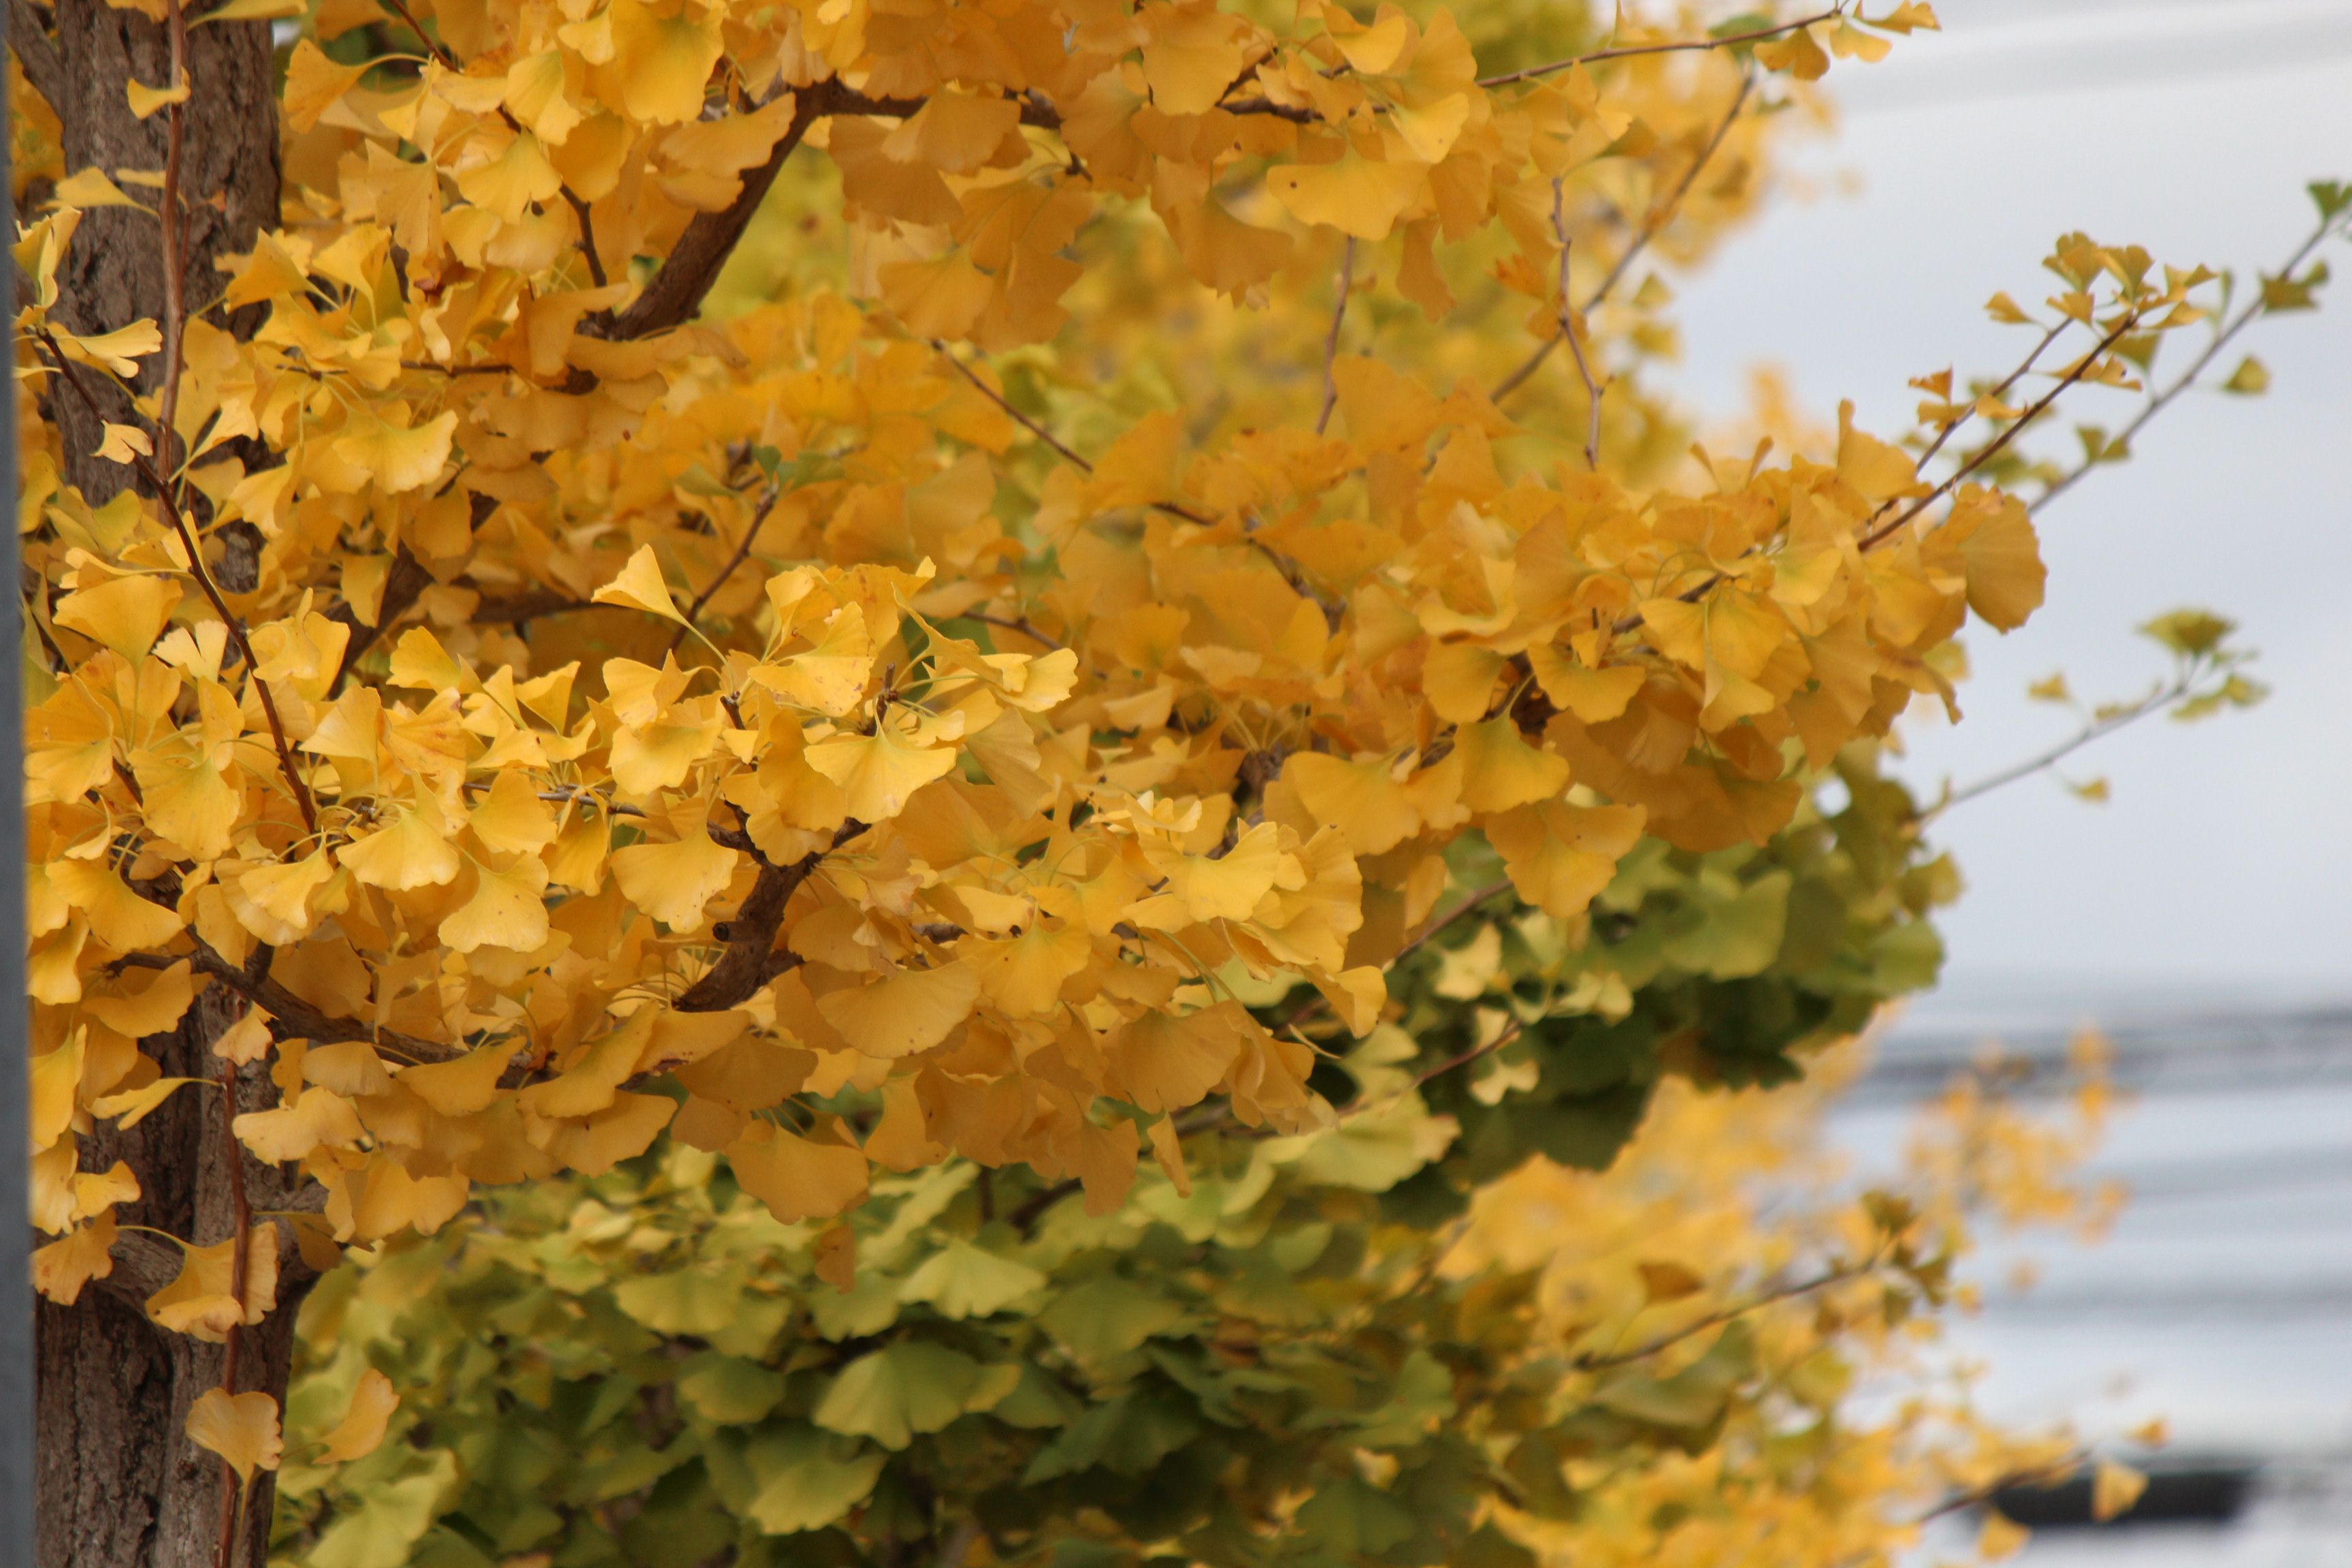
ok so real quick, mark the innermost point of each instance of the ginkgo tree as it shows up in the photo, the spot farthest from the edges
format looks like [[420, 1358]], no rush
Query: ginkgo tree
[[486, 719]]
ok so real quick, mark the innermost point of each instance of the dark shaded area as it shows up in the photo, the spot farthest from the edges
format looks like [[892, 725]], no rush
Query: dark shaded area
[[2212, 1493]]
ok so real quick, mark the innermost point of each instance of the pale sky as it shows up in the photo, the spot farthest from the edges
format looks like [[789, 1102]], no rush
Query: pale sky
[[2225, 856]]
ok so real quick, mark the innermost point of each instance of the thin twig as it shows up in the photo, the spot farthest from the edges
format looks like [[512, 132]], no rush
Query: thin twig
[[173, 213], [1626, 51], [1651, 229], [1990, 449], [439, 51], [232, 1488], [2157, 402], [2056, 1471], [1018, 417], [2155, 702], [1331, 339], [2024, 368], [1021, 623], [1841, 1273], [767, 505], [1568, 331], [1430, 931]]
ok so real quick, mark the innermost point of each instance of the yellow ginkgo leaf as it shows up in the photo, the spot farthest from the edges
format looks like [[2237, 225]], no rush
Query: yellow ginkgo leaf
[[203, 1301], [398, 457], [508, 908], [639, 586], [2002, 558], [124, 444], [1024, 975], [829, 677], [878, 773], [462, 1087], [672, 882], [509, 183], [2114, 1489], [1191, 53], [318, 1118], [1459, 679], [362, 1426], [1559, 856], [132, 1106], [411, 850], [63, 1268], [1363, 799], [145, 101], [512, 819], [119, 351], [1500, 770], [242, 1428], [904, 1012], [796, 1178], [314, 83], [663, 57], [1357, 195], [91, 188]]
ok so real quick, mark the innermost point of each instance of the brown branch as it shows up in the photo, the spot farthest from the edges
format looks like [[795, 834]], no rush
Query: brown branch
[[1018, 417], [1331, 339], [2034, 1475], [767, 505], [2162, 699], [439, 51], [1018, 624], [1653, 228], [751, 959], [509, 609], [187, 536], [232, 1489], [1568, 331], [300, 1018], [2024, 368], [1627, 51], [173, 214], [1993, 449], [1429, 931]]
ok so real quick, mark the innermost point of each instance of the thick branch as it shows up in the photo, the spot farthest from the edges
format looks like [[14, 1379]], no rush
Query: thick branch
[[303, 1020], [694, 263], [751, 959]]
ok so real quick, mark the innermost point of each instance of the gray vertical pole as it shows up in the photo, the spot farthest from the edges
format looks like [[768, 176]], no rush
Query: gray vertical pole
[[16, 1032]]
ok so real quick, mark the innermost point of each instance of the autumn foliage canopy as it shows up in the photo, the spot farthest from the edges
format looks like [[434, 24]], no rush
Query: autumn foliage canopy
[[1038, 683]]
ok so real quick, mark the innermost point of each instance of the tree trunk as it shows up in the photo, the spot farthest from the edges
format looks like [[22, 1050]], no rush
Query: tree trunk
[[229, 177], [120, 1485]]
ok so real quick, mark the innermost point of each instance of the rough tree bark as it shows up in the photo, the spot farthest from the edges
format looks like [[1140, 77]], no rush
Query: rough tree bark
[[229, 171], [120, 1484]]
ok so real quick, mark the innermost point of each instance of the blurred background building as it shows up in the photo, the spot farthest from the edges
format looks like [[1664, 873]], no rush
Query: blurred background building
[[2203, 916]]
